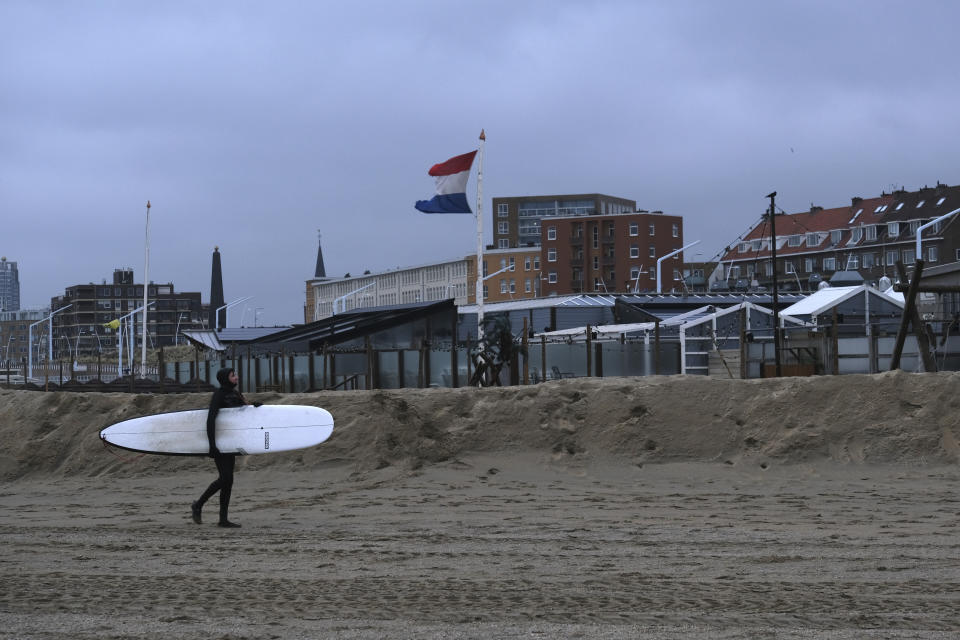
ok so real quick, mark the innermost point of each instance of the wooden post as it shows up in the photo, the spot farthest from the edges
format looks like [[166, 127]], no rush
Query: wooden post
[[910, 316], [835, 343], [369, 352], [311, 372], [744, 350], [589, 344], [454, 365], [526, 363], [656, 347], [160, 365], [543, 356]]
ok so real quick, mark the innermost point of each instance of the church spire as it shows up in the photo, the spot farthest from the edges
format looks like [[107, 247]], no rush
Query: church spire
[[320, 271]]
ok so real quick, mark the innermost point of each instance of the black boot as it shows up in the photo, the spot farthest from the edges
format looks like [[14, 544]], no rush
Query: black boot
[[195, 511], [225, 492]]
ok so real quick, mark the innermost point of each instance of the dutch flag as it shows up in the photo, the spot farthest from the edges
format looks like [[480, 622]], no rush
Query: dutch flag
[[451, 178]]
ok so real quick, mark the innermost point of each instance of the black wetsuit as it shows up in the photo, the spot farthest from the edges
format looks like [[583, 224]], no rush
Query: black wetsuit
[[224, 397]]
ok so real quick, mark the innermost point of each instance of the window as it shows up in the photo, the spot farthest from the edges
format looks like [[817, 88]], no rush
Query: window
[[941, 200], [908, 256], [503, 210], [503, 286], [829, 264], [675, 230], [835, 236], [551, 255], [893, 229], [503, 243], [744, 247], [788, 266], [513, 264], [536, 263], [634, 251], [768, 267], [920, 204], [635, 272], [596, 263], [551, 233], [856, 235], [813, 239], [527, 286], [526, 263], [913, 226], [869, 259], [870, 232], [486, 292], [892, 256], [933, 254], [899, 206], [552, 277], [676, 274], [634, 229], [853, 262], [653, 228], [513, 285], [809, 264], [794, 240], [503, 227], [596, 236], [653, 252]]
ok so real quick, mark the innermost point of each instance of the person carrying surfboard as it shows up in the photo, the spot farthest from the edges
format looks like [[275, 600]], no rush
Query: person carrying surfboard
[[226, 396]]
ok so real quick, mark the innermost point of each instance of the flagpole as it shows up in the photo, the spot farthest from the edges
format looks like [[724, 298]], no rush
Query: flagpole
[[479, 293], [146, 283]]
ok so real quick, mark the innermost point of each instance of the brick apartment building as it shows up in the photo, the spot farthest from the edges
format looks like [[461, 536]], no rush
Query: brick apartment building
[[613, 253], [80, 327], [517, 221], [868, 236]]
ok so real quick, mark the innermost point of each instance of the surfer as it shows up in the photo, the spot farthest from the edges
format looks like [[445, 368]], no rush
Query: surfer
[[226, 396]]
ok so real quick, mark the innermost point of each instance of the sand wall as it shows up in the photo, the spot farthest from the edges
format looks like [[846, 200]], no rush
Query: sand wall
[[886, 418]]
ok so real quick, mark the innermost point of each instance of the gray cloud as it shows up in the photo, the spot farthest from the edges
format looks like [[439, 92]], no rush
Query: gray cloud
[[252, 125]]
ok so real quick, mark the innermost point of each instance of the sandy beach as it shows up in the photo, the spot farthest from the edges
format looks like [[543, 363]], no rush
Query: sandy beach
[[660, 508]]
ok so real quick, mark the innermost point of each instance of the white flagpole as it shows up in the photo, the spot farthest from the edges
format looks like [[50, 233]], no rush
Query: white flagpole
[[483, 139], [146, 283]]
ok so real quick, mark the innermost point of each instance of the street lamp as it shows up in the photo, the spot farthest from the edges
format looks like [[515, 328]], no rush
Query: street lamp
[[176, 334], [227, 307], [146, 284], [49, 319]]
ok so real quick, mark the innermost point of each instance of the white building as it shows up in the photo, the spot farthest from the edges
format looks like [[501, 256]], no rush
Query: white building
[[426, 283]]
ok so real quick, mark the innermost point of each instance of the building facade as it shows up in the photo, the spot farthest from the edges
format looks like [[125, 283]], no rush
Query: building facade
[[432, 282], [509, 274], [517, 221], [613, 253], [15, 334], [869, 237], [9, 286], [79, 329]]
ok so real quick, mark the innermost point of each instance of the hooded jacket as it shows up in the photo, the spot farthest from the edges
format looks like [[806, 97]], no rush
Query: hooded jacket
[[226, 396]]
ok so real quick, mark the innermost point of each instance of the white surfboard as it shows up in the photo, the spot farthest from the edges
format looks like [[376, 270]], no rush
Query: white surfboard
[[244, 430]]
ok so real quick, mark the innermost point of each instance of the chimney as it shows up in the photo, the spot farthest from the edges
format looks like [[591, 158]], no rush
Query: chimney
[[855, 201], [814, 208]]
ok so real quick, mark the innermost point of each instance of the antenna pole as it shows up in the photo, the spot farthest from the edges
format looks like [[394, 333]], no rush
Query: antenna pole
[[776, 304]]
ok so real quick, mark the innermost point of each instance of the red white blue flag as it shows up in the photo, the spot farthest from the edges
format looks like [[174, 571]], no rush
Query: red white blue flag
[[451, 178]]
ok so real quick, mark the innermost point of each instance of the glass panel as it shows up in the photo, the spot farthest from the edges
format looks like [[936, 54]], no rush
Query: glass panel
[[388, 362], [440, 372], [301, 374]]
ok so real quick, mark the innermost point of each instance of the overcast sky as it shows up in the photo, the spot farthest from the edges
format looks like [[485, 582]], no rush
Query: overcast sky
[[253, 125]]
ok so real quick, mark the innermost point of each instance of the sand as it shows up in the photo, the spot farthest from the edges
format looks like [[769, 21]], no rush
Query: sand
[[660, 507]]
